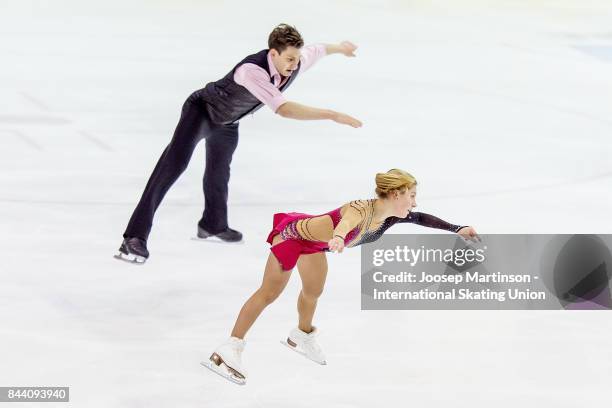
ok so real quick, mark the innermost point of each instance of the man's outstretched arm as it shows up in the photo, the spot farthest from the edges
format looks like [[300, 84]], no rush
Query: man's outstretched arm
[[257, 81], [311, 54], [346, 48], [294, 110]]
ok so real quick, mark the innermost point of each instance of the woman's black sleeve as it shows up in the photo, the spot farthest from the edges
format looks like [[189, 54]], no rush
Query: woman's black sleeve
[[430, 221]]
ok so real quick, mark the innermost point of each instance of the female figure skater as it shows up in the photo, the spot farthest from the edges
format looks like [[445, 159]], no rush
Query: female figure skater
[[303, 239]]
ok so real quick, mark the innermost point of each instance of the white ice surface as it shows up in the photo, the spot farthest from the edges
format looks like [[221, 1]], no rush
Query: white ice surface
[[502, 110]]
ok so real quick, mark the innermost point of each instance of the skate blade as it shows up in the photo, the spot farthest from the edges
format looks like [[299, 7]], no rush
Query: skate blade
[[133, 259], [224, 371], [215, 240], [302, 352]]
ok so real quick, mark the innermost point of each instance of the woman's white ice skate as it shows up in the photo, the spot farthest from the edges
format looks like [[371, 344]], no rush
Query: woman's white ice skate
[[306, 345], [226, 361]]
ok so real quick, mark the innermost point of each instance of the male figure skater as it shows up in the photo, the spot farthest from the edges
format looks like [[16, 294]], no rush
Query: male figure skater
[[213, 113]]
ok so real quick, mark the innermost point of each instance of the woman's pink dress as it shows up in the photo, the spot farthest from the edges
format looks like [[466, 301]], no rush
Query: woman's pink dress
[[288, 251]]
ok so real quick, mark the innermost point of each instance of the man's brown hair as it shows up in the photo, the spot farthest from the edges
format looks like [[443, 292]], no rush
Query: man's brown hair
[[283, 36]]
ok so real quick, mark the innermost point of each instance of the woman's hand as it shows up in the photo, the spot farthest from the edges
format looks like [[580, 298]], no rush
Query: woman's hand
[[469, 233], [336, 244]]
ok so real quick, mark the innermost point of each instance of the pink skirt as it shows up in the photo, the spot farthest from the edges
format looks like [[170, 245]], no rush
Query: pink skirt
[[288, 251]]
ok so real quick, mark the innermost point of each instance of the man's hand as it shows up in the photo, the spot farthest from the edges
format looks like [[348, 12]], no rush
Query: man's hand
[[294, 110], [345, 119], [346, 48]]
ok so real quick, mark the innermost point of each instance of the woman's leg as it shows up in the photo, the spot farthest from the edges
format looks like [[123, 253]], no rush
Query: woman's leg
[[313, 271], [274, 281]]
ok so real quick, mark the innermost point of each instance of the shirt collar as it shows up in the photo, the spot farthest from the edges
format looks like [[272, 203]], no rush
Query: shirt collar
[[274, 74]]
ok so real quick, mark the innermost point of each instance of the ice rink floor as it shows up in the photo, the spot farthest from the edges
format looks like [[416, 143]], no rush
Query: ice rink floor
[[502, 110]]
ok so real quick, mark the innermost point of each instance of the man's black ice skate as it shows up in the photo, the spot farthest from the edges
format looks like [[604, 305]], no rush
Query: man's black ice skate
[[133, 250], [228, 235]]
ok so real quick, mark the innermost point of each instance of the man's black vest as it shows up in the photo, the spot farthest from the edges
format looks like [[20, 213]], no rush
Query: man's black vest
[[227, 102]]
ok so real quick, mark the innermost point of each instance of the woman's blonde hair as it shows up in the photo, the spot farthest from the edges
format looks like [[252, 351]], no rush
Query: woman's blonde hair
[[394, 179]]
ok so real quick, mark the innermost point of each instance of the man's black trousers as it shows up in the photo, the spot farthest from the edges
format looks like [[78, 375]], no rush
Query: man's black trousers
[[221, 141]]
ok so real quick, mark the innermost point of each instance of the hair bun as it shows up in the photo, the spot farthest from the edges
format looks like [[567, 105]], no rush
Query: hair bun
[[394, 179]]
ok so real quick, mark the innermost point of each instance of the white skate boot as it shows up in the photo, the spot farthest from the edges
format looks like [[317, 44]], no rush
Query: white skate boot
[[306, 345], [227, 361]]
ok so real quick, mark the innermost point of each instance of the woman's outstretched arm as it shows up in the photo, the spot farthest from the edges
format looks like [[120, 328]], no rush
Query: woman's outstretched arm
[[431, 221]]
